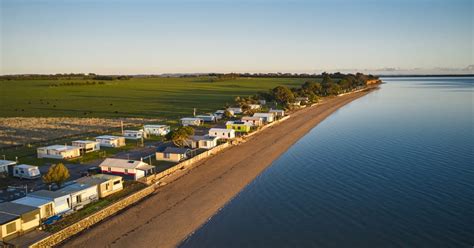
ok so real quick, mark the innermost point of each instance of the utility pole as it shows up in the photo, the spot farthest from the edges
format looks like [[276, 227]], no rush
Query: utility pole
[[194, 112], [121, 126]]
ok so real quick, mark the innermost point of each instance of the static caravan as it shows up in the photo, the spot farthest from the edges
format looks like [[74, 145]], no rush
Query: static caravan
[[267, 117], [191, 121], [59, 152], [238, 126], [110, 141], [296, 103], [302, 99], [61, 200], [133, 134], [160, 130], [81, 194], [45, 206], [87, 145], [253, 121], [4, 164], [204, 142], [236, 110], [106, 184], [207, 118], [172, 154], [277, 112], [29, 217], [10, 226], [254, 106], [26, 171], [222, 133], [220, 113], [127, 168]]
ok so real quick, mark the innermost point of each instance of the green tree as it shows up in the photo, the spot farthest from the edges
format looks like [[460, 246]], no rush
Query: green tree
[[283, 95], [312, 87], [180, 135], [57, 174]]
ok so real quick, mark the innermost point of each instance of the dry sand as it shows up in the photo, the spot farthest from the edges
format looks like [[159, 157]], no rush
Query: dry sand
[[189, 200]]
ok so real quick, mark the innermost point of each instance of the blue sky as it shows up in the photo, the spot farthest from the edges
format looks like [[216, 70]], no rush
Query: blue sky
[[118, 36]]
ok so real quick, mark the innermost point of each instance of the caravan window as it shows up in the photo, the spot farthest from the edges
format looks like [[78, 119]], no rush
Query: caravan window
[[11, 227]]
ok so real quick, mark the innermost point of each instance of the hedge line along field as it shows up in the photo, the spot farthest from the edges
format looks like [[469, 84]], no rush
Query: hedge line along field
[[136, 97]]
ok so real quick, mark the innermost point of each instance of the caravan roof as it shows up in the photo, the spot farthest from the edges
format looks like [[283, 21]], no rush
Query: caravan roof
[[32, 201], [26, 166], [15, 208]]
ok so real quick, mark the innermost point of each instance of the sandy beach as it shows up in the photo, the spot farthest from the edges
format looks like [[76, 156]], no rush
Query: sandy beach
[[188, 200]]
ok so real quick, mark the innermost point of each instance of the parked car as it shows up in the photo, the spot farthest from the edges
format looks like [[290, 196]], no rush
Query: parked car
[[91, 171]]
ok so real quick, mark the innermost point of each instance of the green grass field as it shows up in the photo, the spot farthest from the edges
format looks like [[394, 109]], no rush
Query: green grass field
[[168, 98]]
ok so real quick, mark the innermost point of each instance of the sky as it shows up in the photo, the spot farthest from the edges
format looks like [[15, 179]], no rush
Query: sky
[[153, 37]]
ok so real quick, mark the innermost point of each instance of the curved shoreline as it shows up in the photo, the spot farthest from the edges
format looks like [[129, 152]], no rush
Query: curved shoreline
[[192, 197]]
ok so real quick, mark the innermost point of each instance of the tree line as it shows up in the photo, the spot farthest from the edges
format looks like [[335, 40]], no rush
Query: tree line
[[64, 76], [313, 90]]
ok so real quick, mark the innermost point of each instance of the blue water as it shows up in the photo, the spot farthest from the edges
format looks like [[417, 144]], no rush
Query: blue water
[[392, 169]]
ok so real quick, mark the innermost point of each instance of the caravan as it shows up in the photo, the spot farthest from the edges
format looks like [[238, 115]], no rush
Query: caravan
[[26, 171]]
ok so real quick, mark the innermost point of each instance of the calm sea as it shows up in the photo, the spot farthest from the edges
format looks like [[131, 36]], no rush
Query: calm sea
[[392, 169]]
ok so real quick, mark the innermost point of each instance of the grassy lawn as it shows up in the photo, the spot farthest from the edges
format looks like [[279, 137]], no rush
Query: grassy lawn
[[168, 98], [129, 188]]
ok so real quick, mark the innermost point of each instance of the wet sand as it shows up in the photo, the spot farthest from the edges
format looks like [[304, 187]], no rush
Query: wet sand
[[193, 196]]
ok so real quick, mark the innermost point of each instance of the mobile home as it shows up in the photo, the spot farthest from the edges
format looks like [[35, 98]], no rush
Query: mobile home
[[267, 117], [207, 118], [10, 226], [160, 130], [61, 200], [302, 99], [190, 121], [4, 164], [222, 133], [220, 113], [81, 194], [238, 126], [87, 145], [254, 106], [59, 152], [106, 184], [277, 112], [127, 168], [253, 121], [26, 171], [235, 110], [133, 134], [172, 154], [110, 141], [45, 206], [204, 142], [29, 218]]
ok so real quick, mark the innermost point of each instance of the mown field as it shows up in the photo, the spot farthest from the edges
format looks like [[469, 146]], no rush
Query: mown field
[[167, 98]]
